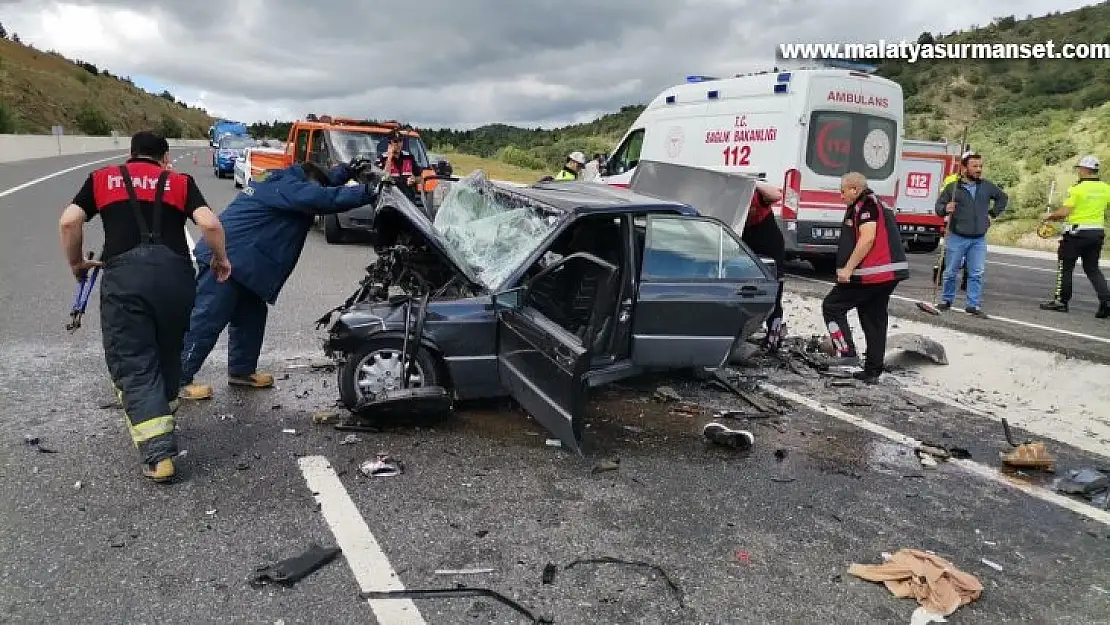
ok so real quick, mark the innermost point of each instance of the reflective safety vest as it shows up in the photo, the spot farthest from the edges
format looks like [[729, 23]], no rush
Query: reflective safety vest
[[1088, 202], [886, 262], [566, 174]]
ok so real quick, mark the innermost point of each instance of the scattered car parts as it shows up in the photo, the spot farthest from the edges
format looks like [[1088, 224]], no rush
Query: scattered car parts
[[291, 570]]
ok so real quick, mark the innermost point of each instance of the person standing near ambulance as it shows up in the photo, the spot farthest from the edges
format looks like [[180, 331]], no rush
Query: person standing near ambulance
[[147, 292], [1084, 212], [969, 206], [572, 169], [870, 263], [763, 236]]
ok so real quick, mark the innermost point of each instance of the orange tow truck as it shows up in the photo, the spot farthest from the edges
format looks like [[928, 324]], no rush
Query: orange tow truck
[[329, 141]]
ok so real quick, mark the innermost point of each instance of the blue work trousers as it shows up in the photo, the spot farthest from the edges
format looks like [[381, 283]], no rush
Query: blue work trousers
[[219, 305]]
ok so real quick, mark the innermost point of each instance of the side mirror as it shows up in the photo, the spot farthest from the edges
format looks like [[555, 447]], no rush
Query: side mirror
[[512, 299]]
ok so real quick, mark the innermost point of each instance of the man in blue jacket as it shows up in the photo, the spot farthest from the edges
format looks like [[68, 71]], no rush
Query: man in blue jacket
[[265, 230], [969, 204]]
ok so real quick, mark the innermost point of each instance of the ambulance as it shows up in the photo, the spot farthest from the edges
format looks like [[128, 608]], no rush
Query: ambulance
[[801, 128], [921, 172]]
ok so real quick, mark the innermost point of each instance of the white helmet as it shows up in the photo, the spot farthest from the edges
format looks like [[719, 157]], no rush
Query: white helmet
[[1089, 162], [577, 157]]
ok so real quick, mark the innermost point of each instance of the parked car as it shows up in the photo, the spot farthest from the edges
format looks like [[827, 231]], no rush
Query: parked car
[[231, 148], [441, 165], [542, 292]]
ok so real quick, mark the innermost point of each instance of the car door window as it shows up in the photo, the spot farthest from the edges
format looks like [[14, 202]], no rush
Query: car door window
[[319, 152], [694, 249], [627, 155], [300, 151]]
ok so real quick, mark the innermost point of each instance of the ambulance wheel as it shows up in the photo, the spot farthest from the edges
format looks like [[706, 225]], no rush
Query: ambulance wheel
[[333, 232], [823, 264]]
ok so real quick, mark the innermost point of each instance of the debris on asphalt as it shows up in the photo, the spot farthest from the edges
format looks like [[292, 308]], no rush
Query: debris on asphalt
[[289, 431], [635, 563], [553, 442], [780, 455], [604, 466], [110, 404], [686, 410], [78, 484], [459, 592], [242, 466], [549, 571], [291, 570], [927, 461], [350, 439], [753, 398], [1027, 455], [666, 394], [720, 434], [994, 565], [382, 466], [1091, 484], [36, 443], [475, 571], [918, 344], [937, 585], [936, 451], [325, 417]]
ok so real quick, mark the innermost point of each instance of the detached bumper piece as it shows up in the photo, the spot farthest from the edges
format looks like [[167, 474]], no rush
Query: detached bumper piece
[[402, 404], [454, 593], [292, 570]]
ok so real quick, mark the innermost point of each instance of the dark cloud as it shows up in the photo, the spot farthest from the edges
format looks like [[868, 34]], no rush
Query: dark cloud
[[466, 63]]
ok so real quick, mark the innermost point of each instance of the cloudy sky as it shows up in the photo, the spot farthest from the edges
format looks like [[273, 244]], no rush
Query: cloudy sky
[[458, 63]]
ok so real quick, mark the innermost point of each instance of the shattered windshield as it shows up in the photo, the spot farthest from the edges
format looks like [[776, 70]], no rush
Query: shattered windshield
[[347, 145], [493, 229]]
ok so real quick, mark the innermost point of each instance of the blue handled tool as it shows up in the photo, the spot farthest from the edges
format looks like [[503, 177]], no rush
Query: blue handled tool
[[81, 298]]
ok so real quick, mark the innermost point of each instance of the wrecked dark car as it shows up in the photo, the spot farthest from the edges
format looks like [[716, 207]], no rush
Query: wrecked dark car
[[542, 292]]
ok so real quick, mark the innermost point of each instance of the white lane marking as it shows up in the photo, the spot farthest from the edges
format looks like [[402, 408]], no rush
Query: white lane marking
[[1017, 322], [971, 466], [1019, 252], [29, 183], [368, 563], [192, 243]]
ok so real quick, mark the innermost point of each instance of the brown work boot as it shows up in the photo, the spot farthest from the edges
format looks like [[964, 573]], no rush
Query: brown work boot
[[195, 391], [162, 471], [254, 380]]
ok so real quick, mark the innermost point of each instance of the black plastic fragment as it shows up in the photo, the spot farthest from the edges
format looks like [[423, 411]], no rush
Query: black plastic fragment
[[292, 570], [549, 573]]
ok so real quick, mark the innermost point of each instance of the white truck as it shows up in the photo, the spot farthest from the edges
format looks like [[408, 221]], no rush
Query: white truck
[[921, 173], [803, 128]]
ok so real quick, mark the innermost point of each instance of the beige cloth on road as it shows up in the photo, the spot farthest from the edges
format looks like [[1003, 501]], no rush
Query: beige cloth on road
[[936, 583]]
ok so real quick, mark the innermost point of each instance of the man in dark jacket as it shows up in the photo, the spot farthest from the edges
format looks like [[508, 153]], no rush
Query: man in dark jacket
[[970, 205], [265, 228], [870, 263]]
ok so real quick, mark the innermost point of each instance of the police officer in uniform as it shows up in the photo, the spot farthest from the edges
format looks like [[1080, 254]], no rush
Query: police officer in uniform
[[146, 294], [763, 236], [572, 169], [870, 263], [1084, 213]]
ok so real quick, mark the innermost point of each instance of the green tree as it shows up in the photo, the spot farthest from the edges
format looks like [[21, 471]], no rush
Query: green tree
[[91, 121], [7, 119], [170, 128]]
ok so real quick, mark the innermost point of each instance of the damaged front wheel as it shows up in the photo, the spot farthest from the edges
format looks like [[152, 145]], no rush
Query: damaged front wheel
[[377, 366]]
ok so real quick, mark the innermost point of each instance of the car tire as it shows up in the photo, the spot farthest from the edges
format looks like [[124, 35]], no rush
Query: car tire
[[333, 232], [427, 363], [824, 264]]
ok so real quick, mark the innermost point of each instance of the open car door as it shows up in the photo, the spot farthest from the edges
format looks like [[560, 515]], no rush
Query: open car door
[[544, 338], [700, 291]]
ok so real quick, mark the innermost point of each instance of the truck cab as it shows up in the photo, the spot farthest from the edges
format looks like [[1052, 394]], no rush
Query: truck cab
[[328, 141]]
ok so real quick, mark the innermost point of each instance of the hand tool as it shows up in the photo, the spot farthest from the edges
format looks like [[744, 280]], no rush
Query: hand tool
[[81, 298]]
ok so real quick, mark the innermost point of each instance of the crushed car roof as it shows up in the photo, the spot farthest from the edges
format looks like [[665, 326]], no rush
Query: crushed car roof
[[586, 197]]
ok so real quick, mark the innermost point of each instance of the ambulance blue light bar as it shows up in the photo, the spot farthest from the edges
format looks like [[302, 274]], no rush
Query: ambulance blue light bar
[[783, 77], [700, 78]]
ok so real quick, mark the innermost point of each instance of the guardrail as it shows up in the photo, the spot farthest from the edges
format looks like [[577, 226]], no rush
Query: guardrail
[[25, 147]]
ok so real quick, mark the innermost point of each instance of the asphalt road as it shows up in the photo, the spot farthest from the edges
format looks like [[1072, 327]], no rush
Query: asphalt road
[[765, 537], [1014, 287]]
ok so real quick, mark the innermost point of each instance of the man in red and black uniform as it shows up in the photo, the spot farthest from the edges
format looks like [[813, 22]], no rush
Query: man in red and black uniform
[[870, 263], [148, 288], [763, 236], [399, 164]]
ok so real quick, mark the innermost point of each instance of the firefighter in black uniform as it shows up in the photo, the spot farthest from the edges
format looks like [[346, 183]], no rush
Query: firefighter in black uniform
[[147, 291], [870, 263]]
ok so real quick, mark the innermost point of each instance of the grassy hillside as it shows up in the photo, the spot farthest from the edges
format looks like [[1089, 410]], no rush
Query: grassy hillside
[[41, 89]]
